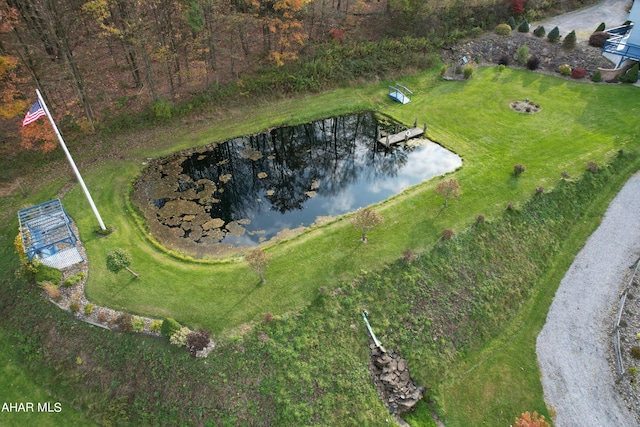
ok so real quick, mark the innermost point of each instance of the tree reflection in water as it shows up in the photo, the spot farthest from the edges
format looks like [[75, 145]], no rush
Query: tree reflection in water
[[248, 189]]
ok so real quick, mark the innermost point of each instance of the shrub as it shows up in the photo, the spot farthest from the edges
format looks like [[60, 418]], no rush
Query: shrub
[[554, 35], [102, 317], [180, 337], [518, 169], [522, 54], [503, 29], [635, 352], [443, 70], [197, 341], [155, 326], [511, 22], [51, 289], [531, 420], [137, 323], [88, 309], [468, 71], [408, 256], [598, 39], [447, 234], [533, 63], [501, 68], [267, 318], [161, 109], [169, 327], [600, 28], [72, 280], [569, 41], [565, 69], [74, 307], [45, 273], [592, 167], [539, 31], [631, 76], [523, 27], [124, 322], [597, 77], [633, 371], [504, 60], [578, 73]]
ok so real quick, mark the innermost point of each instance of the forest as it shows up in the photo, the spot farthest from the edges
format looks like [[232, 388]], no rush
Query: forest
[[109, 64]]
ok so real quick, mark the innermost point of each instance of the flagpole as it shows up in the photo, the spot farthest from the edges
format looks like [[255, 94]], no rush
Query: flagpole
[[73, 165]]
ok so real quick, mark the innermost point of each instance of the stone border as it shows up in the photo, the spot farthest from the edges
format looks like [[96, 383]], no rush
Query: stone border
[[100, 316]]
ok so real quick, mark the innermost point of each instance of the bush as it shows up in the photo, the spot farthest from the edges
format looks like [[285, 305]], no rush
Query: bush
[[578, 73], [522, 55], [635, 352], [600, 28], [447, 234], [504, 60], [631, 76], [72, 280], [88, 309], [468, 71], [565, 69], [518, 169], [533, 63], [137, 323], [501, 68], [169, 327], [267, 318], [524, 27], [180, 337], [597, 77], [554, 35], [197, 341], [51, 289], [511, 22], [443, 70], [45, 273], [569, 41], [74, 307], [598, 39], [155, 326], [102, 317], [503, 29], [539, 31], [161, 109], [124, 322]]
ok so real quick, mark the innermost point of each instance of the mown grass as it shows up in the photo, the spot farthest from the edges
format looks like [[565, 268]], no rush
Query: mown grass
[[446, 312], [471, 118]]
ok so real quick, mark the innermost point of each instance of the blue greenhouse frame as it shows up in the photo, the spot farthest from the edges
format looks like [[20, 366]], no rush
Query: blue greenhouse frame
[[47, 235]]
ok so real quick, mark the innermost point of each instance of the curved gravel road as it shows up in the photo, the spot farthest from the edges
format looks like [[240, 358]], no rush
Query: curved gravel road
[[575, 341]]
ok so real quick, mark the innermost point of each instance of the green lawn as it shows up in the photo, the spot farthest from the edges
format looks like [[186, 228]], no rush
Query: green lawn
[[471, 118], [579, 122]]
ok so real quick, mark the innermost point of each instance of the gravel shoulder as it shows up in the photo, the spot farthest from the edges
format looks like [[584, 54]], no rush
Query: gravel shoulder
[[574, 346]]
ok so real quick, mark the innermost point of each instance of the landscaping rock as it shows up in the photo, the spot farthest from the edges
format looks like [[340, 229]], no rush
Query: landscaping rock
[[393, 381]]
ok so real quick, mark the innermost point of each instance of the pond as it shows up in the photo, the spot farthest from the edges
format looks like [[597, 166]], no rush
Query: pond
[[255, 188]]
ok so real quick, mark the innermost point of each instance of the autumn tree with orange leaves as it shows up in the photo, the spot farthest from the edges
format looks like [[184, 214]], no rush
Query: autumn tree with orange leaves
[[531, 420]]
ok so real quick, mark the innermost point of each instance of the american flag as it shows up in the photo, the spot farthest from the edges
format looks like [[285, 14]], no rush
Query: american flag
[[33, 114]]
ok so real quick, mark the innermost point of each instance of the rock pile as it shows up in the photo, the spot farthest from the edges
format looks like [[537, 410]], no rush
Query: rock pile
[[393, 381]]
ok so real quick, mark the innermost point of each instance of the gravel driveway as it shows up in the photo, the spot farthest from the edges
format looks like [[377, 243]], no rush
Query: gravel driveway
[[576, 339], [575, 342]]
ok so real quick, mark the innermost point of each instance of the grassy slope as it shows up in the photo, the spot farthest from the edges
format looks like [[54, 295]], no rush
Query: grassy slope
[[471, 118], [582, 123]]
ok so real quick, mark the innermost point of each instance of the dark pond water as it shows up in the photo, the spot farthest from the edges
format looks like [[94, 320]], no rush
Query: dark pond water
[[249, 189]]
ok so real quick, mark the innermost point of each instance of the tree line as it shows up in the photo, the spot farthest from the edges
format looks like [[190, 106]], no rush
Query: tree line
[[89, 56]]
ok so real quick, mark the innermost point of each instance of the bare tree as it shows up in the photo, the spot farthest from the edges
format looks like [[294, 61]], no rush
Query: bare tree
[[258, 260], [448, 189], [366, 220]]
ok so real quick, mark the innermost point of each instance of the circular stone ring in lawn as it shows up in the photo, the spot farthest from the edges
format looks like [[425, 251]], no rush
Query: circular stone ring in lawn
[[525, 106]]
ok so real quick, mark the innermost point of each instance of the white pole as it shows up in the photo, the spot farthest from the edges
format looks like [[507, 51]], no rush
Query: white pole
[[73, 165]]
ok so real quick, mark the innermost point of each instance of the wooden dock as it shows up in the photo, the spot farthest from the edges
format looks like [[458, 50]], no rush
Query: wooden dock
[[397, 138]]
